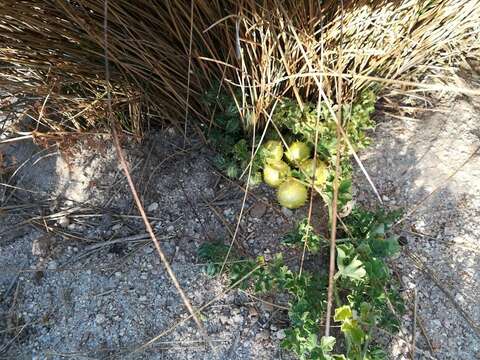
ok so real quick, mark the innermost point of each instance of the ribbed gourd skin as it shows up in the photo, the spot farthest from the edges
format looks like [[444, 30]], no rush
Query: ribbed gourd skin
[[292, 194]]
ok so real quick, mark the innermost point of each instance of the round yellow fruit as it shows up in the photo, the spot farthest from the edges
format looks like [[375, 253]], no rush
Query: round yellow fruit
[[297, 152], [275, 173], [321, 171], [273, 150], [292, 194]]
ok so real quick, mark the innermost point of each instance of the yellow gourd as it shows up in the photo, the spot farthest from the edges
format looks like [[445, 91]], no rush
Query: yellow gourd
[[297, 152], [275, 173], [292, 194]]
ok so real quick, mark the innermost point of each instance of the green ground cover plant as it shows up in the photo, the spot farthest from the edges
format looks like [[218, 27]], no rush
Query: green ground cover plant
[[366, 296]]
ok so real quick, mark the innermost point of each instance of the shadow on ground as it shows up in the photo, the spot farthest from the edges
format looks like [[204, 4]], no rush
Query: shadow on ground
[[430, 169]]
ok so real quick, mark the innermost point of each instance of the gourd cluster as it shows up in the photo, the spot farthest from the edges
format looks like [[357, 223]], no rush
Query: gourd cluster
[[279, 167]]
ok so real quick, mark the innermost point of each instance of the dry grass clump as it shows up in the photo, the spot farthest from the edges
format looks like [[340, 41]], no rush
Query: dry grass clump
[[165, 56]]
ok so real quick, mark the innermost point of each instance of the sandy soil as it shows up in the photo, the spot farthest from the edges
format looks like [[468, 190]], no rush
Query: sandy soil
[[80, 278]]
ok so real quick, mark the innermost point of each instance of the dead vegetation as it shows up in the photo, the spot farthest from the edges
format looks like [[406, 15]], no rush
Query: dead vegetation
[[164, 58]]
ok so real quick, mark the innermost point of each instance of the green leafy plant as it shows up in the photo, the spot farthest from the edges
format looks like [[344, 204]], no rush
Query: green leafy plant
[[298, 127], [214, 253], [365, 293], [304, 124], [304, 234], [228, 136]]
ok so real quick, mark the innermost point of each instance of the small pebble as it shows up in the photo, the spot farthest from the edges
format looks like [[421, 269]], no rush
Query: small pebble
[[148, 249], [436, 324], [152, 207], [287, 212], [117, 227], [63, 221], [459, 298], [100, 318], [280, 335], [258, 210], [237, 319], [264, 335], [223, 319]]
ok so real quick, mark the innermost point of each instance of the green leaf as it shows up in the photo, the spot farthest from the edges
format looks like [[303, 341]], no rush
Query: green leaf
[[327, 343], [365, 312], [212, 269], [345, 186], [353, 331], [380, 230], [304, 235], [385, 247], [354, 270], [299, 175], [233, 125], [377, 270], [232, 171], [312, 341], [376, 354], [342, 313], [256, 179]]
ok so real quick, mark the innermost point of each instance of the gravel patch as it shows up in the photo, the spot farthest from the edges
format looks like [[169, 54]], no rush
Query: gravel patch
[[430, 168], [84, 279], [80, 278]]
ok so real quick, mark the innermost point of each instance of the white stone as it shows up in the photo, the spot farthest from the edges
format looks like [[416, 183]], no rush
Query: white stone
[[152, 207], [459, 298], [287, 212], [100, 318]]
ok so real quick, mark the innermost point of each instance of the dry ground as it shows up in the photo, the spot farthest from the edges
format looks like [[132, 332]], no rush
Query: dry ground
[[80, 278]]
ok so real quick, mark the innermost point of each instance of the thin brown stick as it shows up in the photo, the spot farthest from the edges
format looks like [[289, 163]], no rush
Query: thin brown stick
[[136, 198], [425, 335], [333, 237], [281, 307], [414, 326]]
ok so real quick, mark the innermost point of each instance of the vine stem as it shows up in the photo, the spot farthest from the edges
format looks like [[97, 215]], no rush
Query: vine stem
[[367, 341]]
